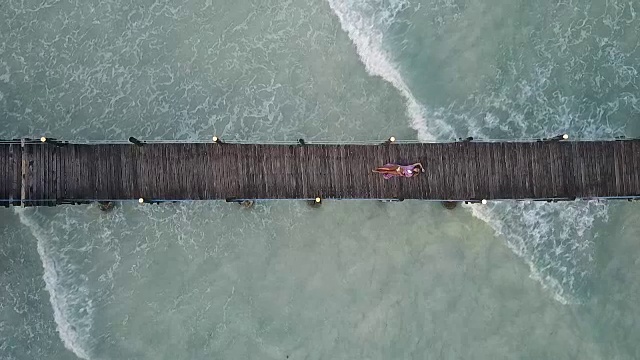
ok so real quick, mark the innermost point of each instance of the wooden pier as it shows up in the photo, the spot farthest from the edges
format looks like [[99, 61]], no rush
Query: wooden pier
[[34, 173]]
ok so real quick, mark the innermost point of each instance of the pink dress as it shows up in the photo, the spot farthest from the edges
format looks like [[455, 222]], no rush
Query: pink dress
[[405, 171]]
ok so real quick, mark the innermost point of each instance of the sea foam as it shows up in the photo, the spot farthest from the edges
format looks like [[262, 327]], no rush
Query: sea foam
[[553, 239], [366, 34], [558, 255], [72, 307]]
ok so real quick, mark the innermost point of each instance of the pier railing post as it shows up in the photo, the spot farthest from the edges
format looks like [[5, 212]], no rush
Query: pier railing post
[[390, 140], [557, 138], [468, 139], [52, 141], [135, 141]]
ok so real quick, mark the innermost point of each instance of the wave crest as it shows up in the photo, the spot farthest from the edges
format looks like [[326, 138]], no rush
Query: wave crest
[[70, 300], [551, 238], [364, 23]]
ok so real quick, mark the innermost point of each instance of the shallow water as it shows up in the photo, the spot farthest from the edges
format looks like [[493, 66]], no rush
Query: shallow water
[[207, 279]]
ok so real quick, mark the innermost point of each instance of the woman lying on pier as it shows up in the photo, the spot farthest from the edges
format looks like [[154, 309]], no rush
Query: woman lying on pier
[[390, 170]]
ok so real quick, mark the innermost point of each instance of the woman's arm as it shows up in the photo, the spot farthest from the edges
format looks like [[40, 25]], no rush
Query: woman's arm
[[419, 165]]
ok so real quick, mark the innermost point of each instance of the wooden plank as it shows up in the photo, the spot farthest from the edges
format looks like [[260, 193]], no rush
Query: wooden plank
[[635, 160], [91, 175], [520, 171], [463, 165], [582, 155], [629, 168], [46, 165], [554, 155], [503, 181], [47, 172], [583, 163], [481, 167], [70, 164], [11, 170], [618, 160], [5, 172], [292, 172], [23, 179], [56, 184], [106, 174], [539, 178], [39, 170], [58, 178], [62, 175], [608, 169], [446, 180], [34, 175], [592, 169]]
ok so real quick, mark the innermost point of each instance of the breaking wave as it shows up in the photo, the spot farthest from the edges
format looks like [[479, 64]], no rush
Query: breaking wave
[[69, 297], [555, 240]]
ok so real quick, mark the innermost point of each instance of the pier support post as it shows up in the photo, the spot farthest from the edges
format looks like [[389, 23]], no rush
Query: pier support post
[[106, 205], [449, 205]]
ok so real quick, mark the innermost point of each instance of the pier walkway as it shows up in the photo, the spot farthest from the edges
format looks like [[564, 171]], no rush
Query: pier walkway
[[36, 173]]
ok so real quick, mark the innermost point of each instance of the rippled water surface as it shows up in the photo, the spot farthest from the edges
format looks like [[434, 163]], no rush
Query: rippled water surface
[[209, 280]]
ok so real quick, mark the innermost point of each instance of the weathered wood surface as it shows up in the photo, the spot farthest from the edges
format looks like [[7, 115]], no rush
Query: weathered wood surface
[[10, 171], [455, 171]]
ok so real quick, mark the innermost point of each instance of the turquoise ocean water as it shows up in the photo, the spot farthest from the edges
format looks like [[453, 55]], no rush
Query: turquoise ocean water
[[210, 280]]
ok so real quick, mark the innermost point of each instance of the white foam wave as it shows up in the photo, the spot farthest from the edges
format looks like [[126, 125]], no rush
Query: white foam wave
[[72, 307], [553, 239], [549, 237], [364, 27]]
